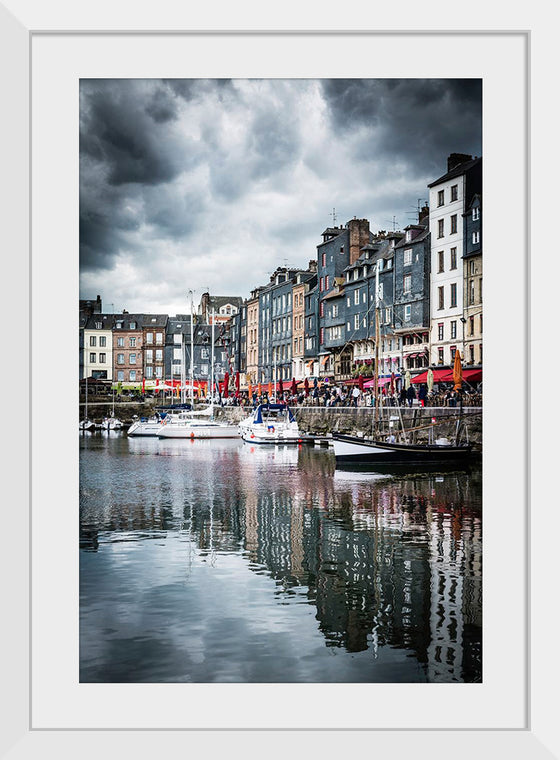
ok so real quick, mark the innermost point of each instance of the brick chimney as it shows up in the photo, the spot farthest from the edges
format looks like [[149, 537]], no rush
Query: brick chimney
[[456, 159], [423, 215], [359, 236]]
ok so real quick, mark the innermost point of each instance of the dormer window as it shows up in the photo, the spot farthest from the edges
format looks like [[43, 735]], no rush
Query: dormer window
[[408, 236], [381, 264], [355, 274], [98, 325], [133, 325], [475, 214]]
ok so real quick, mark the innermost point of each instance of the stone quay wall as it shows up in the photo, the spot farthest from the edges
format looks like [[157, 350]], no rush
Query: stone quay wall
[[322, 420]]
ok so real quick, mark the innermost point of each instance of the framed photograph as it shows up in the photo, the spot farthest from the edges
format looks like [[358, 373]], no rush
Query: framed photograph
[[53, 707]]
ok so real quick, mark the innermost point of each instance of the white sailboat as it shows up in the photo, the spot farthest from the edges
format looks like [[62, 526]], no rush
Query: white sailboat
[[112, 423], [198, 424], [86, 423]]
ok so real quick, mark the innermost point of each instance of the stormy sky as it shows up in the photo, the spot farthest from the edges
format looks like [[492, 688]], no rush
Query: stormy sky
[[211, 184]]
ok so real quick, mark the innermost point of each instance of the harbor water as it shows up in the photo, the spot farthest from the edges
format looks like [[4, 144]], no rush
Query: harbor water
[[219, 561]]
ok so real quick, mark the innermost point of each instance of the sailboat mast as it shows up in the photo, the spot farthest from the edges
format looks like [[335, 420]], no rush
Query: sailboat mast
[[192, 353], [212, 367], [182, 368], [376, 366]]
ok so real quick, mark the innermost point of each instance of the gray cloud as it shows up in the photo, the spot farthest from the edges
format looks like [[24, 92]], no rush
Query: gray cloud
[[211, 183]]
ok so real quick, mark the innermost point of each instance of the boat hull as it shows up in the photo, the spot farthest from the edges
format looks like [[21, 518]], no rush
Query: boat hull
[[356, 450], [277, 437], [144, 428], [198, 431]]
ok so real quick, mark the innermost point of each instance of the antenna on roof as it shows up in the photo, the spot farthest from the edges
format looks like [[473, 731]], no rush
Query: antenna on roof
[[333, 216], [394, 223]]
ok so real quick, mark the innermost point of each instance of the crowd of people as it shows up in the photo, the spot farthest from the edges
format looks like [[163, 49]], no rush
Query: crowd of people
[[342, 395]]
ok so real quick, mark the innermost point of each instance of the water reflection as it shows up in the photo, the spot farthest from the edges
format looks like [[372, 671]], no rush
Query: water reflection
[[236, 562]]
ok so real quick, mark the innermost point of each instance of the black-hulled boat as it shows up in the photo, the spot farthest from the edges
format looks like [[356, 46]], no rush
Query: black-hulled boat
[[357, 450]]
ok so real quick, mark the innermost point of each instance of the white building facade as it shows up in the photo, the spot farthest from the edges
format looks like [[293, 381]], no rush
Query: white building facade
[[449, 197], [98, 347]]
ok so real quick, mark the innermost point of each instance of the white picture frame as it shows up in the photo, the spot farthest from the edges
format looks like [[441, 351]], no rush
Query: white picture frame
[[537, 735]]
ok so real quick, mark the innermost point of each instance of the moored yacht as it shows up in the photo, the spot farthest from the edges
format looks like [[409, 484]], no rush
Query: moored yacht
[[271, 423]]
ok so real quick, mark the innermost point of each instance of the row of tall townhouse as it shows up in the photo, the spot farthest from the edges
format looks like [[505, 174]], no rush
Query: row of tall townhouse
[[419, 291], [132, 348]]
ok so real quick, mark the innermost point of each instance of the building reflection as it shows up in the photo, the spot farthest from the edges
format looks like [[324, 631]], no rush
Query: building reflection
[[386, 563]]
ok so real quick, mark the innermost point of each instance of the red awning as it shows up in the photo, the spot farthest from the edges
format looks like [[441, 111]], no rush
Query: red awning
[[440, 376], [472, 375]]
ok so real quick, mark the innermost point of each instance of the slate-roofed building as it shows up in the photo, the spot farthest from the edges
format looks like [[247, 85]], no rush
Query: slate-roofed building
[[128, 348], [340, 247], [224, 307], [154, 328], [411, 309], [450, 196], [98, 346], [303, 282], [472, 287]]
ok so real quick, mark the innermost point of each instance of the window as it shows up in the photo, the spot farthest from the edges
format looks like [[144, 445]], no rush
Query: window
[[440, 331], [149, 337], [132, 342], [453, 294], [334, 312], [133, 325], [118, 326], [408, 236], [322, 335], [102, 341], [356, 297], [159, 355], [453, 330], [471, 292], [132, 375], [348, 302], [324, 259], [475, 214], [92, 358], [407, 257], [440, 198], [387, 320], [453, 258], [453, 351], [321, 284], [102, 358], [440, 356], [471, 354], [150, 355], [471, 267], [356, 321], [407, 283], [120, 375], [440, 261], [159, 372], [92, 340], [132, 358], [476, 237], [120, 342], [453, 224], [471, 325], [327, 282], [98, 325], [440, 298], [454, 192], [120, 358], [178, 338], [407, 312], [440, 228]]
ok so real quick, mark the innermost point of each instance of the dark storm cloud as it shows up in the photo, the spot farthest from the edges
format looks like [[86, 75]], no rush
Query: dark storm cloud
[[179, 175], [419, 121], [118, 129]]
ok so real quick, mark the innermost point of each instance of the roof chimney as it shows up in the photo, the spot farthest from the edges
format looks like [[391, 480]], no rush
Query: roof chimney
[[456, 159]]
